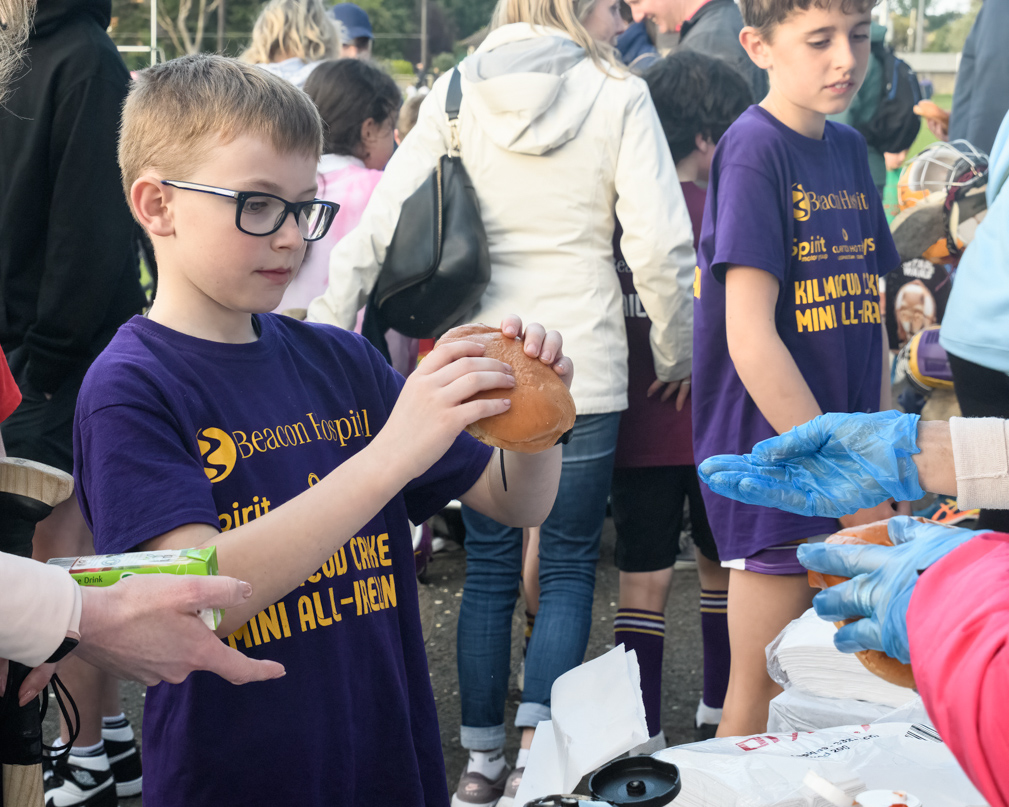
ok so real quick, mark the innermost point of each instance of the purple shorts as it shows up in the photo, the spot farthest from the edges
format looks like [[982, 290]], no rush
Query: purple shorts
[[779, 559]]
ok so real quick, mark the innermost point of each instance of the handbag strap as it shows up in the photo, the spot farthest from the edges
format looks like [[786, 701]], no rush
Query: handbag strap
[[453, 101]]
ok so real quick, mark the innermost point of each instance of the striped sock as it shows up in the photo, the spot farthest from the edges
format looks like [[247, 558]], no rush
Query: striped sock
[[96, 750], [117, 728], [644, 632], [715, 638]]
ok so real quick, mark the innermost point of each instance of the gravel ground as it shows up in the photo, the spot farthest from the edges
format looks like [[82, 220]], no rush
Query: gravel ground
[[440, 600]]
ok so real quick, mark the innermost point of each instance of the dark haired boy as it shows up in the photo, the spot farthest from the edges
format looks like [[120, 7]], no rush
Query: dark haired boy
[[786, 315], [697, 97]]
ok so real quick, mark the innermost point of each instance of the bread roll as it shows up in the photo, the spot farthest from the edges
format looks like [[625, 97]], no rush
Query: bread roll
[[542, 409], [929, 109], [875, 661]]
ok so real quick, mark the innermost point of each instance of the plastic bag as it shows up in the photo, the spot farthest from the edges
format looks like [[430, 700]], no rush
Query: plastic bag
[[768, 769], [796, 710]]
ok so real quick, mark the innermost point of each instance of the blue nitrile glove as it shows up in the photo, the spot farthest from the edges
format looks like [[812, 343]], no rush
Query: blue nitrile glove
[[881, 584], [831, 466]]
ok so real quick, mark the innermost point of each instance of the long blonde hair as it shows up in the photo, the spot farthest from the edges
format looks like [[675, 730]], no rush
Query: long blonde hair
[[287, 29], [15, 16], [566, 15]]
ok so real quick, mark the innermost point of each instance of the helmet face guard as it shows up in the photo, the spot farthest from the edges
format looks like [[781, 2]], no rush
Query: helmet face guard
[[951, 176], [938, 169]]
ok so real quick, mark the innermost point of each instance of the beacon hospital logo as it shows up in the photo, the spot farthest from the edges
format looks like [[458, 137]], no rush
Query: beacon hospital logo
[[219, 453], [220, 450], [805, 203], [800, 204]]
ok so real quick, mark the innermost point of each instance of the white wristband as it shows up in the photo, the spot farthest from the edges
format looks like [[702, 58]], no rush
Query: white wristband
[[981, 459]]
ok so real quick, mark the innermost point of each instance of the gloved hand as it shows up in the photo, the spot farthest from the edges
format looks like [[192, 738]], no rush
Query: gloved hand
[[831, 466], [881, 584]]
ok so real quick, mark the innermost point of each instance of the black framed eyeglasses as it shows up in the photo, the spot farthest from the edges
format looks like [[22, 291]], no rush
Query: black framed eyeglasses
[[259, 213]]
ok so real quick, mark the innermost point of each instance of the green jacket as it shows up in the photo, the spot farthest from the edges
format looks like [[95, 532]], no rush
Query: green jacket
[[863, 105]]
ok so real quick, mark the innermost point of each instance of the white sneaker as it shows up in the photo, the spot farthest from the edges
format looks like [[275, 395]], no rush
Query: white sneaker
[[75, 781]]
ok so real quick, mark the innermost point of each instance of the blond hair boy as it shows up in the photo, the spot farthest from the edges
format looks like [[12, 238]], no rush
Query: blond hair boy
[[292, 447], [787, 321]]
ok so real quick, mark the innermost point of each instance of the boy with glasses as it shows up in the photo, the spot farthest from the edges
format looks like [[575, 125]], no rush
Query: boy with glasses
[[291, 447]]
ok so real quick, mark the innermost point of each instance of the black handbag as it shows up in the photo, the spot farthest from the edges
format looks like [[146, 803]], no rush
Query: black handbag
[[437, 265]]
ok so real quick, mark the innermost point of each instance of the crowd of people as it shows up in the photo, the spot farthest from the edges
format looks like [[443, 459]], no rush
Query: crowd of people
[[692, 242]]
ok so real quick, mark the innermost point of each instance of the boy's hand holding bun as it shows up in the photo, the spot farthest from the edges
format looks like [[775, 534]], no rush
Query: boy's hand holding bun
[[542, 408], [539, 343], [457, 385]]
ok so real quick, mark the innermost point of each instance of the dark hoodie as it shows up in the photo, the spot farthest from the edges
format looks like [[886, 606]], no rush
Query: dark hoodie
[[714, 29], [636, 49], [68, 262]]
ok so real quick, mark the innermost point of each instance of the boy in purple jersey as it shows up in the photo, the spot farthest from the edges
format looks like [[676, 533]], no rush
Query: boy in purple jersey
[[786, 315], [292, 447]]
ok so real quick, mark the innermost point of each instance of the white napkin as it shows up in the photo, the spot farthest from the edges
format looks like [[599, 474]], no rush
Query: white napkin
[[596, 715], [803, 656]]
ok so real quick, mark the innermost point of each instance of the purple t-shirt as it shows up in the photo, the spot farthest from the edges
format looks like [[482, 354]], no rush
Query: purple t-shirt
[[172, 430], [807, 212], [652, 433]]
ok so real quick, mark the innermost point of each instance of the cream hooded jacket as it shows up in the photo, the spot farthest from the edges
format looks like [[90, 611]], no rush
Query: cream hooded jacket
[[557, 150]]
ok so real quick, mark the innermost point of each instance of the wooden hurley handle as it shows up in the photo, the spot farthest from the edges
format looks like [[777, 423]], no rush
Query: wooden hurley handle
[[35, 480], [22, 785]]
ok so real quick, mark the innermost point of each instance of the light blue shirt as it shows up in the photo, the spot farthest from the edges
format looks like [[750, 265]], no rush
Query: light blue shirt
[[975, 326]]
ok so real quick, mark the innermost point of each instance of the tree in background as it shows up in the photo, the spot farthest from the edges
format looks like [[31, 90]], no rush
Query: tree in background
[[950, 36], [469, 15], [184, 26], [178, 27], [190, 26], [944, 33]]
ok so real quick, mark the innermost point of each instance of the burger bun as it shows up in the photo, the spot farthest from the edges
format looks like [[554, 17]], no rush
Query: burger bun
[[875, 661], [541, 408]]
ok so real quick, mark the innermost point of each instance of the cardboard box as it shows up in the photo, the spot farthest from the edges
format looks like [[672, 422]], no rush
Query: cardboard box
[[104, 570]]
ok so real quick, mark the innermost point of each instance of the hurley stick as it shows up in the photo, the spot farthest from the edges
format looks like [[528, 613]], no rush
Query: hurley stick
[[28, 493]]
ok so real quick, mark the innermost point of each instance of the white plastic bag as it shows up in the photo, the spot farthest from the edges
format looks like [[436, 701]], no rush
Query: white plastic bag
[[768, 769], [796, 710]]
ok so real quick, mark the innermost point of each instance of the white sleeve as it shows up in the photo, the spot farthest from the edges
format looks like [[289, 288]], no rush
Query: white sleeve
[[657, 240], [38, 605], [357, 258], [981, 459]]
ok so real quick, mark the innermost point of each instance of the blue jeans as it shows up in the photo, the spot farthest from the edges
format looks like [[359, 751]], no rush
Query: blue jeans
[[569, 549]]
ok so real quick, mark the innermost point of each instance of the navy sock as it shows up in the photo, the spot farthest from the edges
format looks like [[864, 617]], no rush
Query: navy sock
[[715, 638], [644, 632]]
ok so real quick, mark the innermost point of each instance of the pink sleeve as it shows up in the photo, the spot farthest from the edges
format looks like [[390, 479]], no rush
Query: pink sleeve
[[10, 395], [39, 604], [958, 630]]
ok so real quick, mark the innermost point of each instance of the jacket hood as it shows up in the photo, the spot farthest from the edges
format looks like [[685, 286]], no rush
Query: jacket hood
[[51, 14], [998, 165], [530, 88], [294, 70]]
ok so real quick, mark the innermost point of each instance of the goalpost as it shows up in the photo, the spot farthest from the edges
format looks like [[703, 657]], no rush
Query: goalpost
[[154, 38]]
